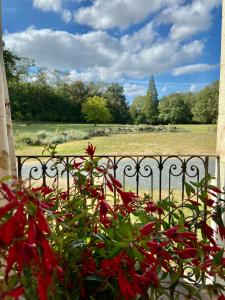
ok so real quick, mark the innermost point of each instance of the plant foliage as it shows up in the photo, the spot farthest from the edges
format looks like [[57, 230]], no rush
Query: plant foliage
[[97, 241]]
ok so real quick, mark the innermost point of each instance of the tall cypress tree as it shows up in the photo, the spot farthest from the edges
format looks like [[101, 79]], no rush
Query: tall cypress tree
[[151, 103]]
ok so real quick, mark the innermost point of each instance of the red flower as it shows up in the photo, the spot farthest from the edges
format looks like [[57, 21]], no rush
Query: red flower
[[8, 230], [15, 293], [149, 257], [115, 181], [148, 277], [42, 222], [49, 258], [221, 297], [193, 202], [177, 236], [172, 232], [143, 280], [110, 267], [77, 165], [32, 231], [147, 229], [187, 253], [46, 190], [126, 288], [90, 150], [104, 208], [100, 245], [64, 195], [161, 255], [208, 232], [88, 264], [11, 259], [215, 189], [152, 208], [27, 255], [42, 287], [127, 197], [8, 207], [10, 196], [208, 248], [210, 202]]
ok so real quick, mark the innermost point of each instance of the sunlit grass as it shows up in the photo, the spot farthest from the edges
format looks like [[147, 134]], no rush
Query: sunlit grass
[[199, 139]]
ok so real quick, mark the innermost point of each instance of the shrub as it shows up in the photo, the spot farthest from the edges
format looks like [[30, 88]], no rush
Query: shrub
[[88, 244], [42, 134], [43, 137]]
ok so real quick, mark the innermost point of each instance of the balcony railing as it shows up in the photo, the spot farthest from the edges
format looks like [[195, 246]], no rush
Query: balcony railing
[[155, 175]]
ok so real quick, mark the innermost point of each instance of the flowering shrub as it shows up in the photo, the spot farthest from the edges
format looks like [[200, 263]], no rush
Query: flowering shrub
[[91, 244]]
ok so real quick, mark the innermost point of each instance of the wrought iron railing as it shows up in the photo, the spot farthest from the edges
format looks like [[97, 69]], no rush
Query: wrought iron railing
[[155, 175]]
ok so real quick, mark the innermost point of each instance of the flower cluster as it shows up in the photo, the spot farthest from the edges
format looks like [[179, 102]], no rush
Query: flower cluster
[[109, 243], [24, 233]]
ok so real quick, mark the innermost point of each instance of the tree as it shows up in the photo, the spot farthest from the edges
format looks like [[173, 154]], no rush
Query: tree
[[151, 103], [96, 88], [16, 67], [77, 92], [137, 110], [205, 109], [95, 110], [10, 61], [116, 102], [174, 109]]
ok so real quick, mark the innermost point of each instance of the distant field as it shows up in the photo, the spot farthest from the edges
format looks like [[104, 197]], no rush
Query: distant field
[[57, 127], [199, 139]]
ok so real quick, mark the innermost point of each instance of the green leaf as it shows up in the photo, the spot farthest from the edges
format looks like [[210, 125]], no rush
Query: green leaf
[[181, 220], [137, 254], [78, 243], [191, 289], [196, 184], [189, 189], [116, 250], [197, 273], [93, 278], [218, 257], [5, 178]]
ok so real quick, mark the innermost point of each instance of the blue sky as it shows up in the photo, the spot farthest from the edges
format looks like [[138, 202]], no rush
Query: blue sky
[[122, 41]]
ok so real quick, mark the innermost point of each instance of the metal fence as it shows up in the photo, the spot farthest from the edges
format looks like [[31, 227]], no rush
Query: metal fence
[[155, 175]]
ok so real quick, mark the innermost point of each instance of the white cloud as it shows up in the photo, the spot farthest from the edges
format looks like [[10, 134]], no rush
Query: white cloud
[[48, 5], [100, 56], [134, 89], [164, 89], [140, 39], [190, 19], [66, 16], [60, 49], [55, 6], [190, 69], [104, 14], [85, 76], [193, 88]]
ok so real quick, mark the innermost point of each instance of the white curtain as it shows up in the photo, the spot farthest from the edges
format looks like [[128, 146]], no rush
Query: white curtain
[[7, 150]]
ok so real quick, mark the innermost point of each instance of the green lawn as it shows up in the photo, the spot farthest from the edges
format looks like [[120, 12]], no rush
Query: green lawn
[[199, 139], [203, 128]]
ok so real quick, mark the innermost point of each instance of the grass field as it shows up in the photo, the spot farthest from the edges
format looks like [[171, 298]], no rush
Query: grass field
[[198, 139], [58, 127]]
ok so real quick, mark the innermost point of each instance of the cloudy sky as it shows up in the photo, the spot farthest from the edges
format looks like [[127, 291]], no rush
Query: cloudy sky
[[121, 41]]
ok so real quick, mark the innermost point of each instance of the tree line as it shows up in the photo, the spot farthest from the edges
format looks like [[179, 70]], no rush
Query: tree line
[[177, 108], [44, 96], [39, 95]]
